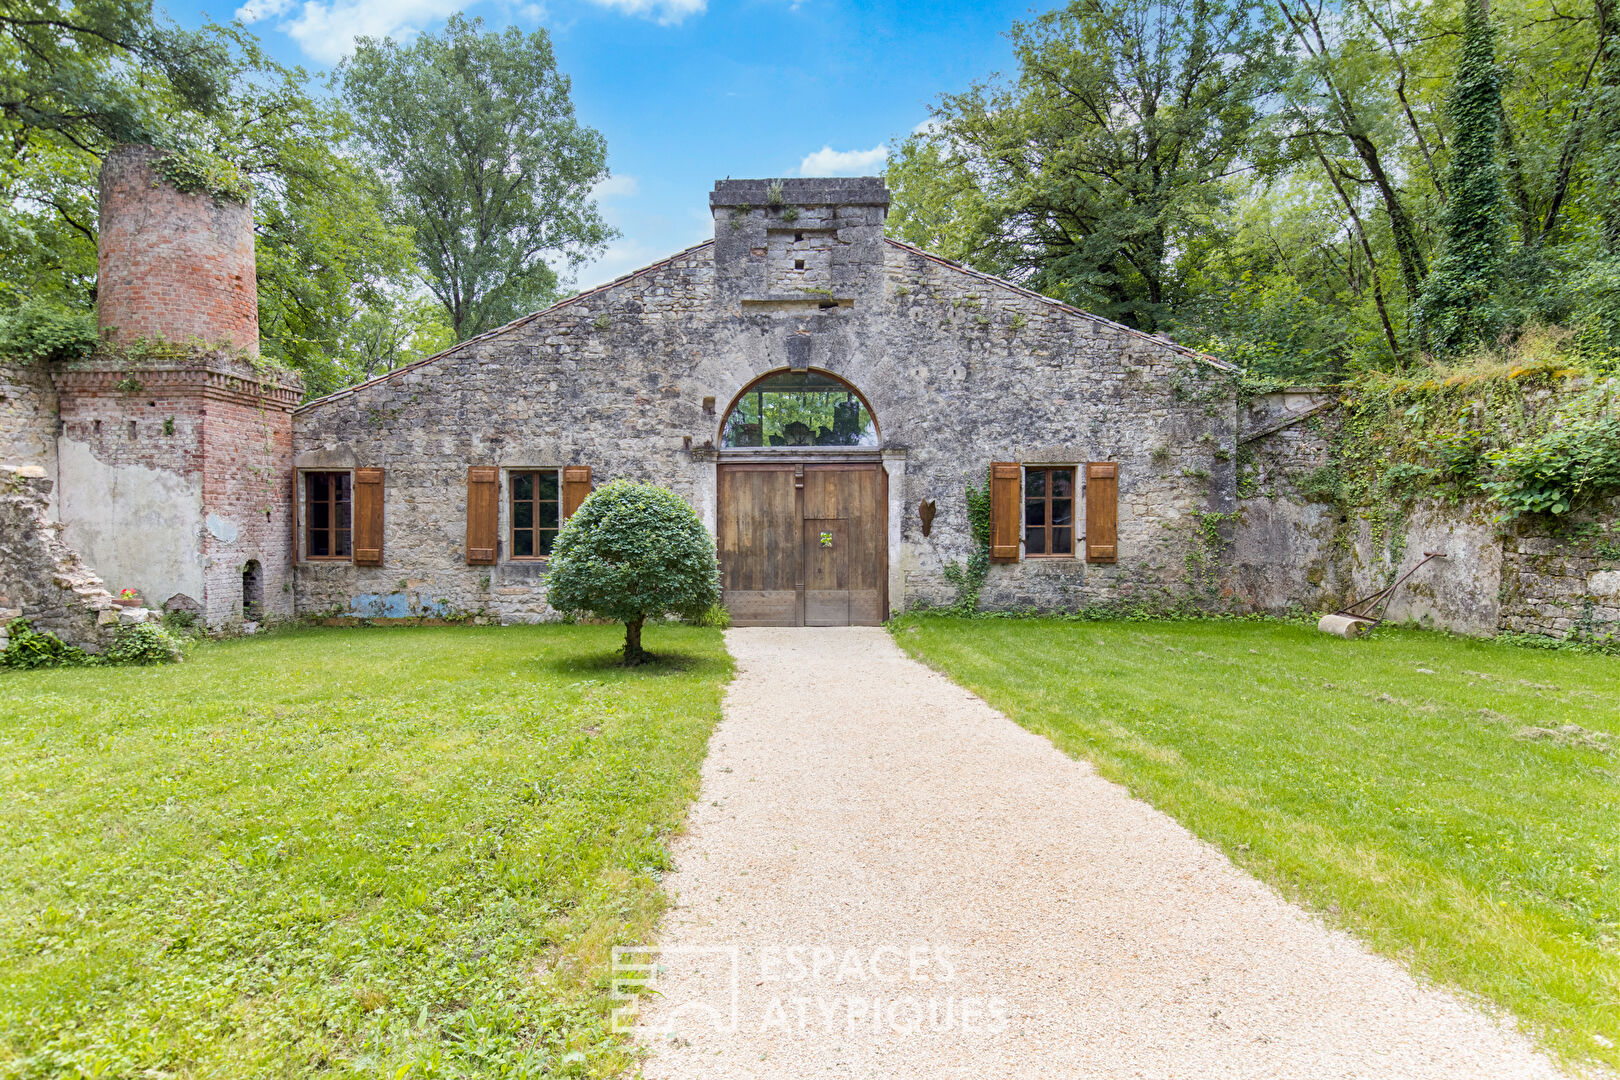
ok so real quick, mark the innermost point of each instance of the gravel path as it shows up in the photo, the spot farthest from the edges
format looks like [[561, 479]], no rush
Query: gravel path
[[884, 877]]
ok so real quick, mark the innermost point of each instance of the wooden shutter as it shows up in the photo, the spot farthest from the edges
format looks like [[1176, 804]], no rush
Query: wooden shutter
[[1102, 511], [576, 484], [297, 519], [1006, 490], [368, 517], [483, 498]]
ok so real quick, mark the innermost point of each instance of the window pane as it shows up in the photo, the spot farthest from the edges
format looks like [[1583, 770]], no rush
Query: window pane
[[548, 485], [1035, 483], [1035, 542], [1034, 514], [1062, 541], [341, 514], [340, 486], [548, 515], [799, 408], [523, 544], [547, 538], [320, 516], [1062, 511], [319, 544], [1063, 483], [318, 486], [342, 544], [523, 515], [522, 486]]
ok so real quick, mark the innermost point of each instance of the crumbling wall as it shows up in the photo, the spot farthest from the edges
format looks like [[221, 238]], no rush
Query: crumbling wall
[[1296, 546], [41, 578], [28, 418]]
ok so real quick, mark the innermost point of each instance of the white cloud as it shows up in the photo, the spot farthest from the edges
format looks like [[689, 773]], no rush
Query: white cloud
[[666, 12], [326, 31], [254, 10], [830, 162], [620, 186]]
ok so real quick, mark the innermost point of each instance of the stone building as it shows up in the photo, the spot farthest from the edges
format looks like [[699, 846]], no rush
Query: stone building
[[823, 396], [809, 386]]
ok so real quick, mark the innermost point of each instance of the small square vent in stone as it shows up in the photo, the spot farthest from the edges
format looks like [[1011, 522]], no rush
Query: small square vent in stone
[[800, 259]]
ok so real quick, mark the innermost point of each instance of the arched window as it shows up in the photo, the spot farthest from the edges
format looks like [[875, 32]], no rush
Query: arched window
[[799, 408]]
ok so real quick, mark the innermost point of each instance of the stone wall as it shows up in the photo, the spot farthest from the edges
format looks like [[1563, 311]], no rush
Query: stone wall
[[175, 473], [41, 578], [28, 418], [634, 380], [1294, 549]]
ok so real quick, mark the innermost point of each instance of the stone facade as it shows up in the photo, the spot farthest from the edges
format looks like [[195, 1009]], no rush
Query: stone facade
[[634, 380], [174, 266], [28, 418]]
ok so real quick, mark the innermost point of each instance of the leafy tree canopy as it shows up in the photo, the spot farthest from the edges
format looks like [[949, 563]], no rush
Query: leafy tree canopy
[[1311, 187], [475, 134]]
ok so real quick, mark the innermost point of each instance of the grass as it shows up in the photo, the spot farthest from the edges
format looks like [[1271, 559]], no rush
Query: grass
[[390, 852], [1396, 784]]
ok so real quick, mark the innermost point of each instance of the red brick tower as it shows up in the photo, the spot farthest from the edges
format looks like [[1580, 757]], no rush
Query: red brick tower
[[174, 459], [173, 266]]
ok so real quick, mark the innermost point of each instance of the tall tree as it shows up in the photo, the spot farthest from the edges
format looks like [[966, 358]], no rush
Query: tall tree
[[1457, 308], [476, 135], [1097, 169]]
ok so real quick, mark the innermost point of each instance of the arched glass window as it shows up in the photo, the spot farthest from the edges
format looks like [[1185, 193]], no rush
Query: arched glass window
[[799, 408]]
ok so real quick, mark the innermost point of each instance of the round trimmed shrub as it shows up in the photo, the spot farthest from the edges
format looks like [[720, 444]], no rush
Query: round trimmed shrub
[[630, 553]]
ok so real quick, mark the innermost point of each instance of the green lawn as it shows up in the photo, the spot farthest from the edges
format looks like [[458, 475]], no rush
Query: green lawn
[[391, 852], [1389, 783]]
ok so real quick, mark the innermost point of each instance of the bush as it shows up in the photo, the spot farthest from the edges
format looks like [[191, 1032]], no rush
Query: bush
[[36, 331], [30, 648], [144, 643], [1577, 458], [718, 617], [632, 552]]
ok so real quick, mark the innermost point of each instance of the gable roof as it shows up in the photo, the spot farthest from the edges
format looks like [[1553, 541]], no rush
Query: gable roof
[[989, 279], [1120, 328], [522, 320]]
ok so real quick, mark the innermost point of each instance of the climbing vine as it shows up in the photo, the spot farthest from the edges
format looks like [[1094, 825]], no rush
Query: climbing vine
[[193, 170], [968, 577], [1533, 439]]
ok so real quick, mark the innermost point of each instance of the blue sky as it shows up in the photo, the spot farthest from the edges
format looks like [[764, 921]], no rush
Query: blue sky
[[690, 91]]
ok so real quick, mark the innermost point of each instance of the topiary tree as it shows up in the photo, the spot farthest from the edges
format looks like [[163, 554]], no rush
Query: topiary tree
[[633, 552]]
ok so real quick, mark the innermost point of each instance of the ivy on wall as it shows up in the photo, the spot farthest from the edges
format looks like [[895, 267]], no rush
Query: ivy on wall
[[1536, 439], [968, 577]]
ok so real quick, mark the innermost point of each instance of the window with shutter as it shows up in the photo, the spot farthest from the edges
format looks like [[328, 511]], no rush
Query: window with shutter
[[1005, 499], [483, 496], [328, 518], [1049, 511], [368, 517], [535, 495], [576, 482], [1102, 511]]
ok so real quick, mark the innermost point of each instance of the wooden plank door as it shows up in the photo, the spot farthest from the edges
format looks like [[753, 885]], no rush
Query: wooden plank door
[[803, 545], [759, 545], [845, 545]]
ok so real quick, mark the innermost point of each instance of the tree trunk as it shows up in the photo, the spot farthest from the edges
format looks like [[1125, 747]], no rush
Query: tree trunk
[[633, 652]]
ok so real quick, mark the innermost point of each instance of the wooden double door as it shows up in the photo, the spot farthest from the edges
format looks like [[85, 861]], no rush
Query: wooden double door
[[804, 544]]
